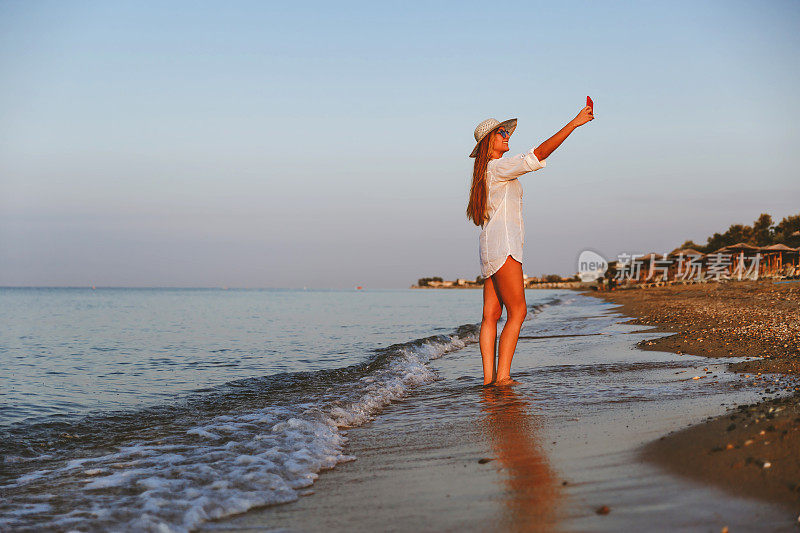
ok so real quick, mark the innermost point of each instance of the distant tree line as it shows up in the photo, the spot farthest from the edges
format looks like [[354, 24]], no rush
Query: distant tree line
[[763, 232], [550, 278]]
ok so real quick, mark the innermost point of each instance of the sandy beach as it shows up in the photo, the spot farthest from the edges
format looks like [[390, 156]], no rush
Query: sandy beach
[[569, 449], [754, 450]]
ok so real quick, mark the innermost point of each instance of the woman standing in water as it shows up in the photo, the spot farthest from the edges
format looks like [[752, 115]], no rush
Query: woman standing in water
[[495, 204]]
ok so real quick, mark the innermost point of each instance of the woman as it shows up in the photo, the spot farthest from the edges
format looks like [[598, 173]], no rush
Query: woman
[[495, 204]]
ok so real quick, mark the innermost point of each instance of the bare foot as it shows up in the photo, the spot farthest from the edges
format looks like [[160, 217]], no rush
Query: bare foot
[[505, 382]]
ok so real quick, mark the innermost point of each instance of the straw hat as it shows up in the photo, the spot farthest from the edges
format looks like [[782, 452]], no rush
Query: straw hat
[[488, 125]]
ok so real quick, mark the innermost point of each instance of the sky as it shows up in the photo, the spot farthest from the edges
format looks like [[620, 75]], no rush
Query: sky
[[324, 145]]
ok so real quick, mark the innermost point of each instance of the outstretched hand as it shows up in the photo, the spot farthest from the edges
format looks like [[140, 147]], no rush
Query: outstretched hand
[[586, 114], [544, 150]]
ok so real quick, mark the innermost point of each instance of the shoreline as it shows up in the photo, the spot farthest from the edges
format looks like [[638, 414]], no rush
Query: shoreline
[[753, 450], [559, 452]]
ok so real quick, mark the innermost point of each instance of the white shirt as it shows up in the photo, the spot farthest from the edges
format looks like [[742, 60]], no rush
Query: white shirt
[[503, 233]]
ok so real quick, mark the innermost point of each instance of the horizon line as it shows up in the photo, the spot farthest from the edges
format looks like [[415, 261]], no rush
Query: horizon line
[[98, 287]]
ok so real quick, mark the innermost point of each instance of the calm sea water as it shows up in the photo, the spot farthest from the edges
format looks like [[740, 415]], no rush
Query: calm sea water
[[78, 351], [159, 409]]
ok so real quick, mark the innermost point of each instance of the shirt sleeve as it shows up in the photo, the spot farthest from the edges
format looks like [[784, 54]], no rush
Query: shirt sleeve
[[509, 168]]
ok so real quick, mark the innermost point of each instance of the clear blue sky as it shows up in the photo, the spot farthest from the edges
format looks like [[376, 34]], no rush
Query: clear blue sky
[[252, 144]]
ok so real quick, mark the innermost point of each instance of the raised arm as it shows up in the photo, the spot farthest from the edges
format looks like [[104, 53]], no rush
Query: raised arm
[[549, 146]]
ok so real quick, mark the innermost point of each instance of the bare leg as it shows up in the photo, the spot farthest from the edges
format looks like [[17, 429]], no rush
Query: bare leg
[[492, 309], [509, 285]]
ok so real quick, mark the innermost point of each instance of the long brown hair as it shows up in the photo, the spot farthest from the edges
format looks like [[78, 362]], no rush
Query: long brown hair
[[476, 209]]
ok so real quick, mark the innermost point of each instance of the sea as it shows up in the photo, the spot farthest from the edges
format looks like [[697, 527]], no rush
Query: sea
[[159, 409], [166, 409]]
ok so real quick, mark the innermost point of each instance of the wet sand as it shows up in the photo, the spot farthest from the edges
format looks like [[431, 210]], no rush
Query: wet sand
[[551, 454], [753, 450]]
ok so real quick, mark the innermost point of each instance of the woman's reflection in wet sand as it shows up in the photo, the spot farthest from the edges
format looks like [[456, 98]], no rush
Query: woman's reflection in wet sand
[[532, 490]]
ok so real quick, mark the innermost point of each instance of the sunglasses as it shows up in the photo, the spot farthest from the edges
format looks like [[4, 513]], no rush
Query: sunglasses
[[505, 134]]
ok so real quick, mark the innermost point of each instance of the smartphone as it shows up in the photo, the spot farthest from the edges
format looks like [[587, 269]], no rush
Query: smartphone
[[590, 103]]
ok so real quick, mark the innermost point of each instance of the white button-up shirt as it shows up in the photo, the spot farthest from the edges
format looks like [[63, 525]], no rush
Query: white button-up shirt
[[503, 233]]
